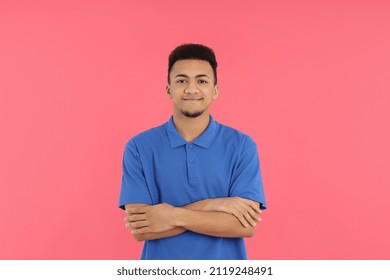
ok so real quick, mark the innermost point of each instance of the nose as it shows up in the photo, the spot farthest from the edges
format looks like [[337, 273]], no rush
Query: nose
[[191, 87]]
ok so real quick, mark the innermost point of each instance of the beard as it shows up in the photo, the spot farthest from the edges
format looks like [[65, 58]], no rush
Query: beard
[[192, 114]]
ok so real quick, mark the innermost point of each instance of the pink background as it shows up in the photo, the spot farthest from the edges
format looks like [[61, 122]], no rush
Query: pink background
[[308, 80]]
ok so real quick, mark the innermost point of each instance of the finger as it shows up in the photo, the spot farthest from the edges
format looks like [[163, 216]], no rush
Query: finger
[[136, 225], [251, 216], [247, 209], [250, 220], [254, 215], [246, 203], [250, 203], [136, 217], [136, 210], [254, 205], [140, 230], [241, 218]]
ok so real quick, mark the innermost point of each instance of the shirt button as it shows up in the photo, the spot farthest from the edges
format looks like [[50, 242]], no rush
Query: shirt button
[[190, 146], [192, 160]]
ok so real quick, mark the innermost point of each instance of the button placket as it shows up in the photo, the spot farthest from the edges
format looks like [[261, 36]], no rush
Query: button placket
[[191, 163]]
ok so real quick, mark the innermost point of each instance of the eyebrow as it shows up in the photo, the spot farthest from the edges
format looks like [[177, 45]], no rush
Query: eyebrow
[[197, 76]]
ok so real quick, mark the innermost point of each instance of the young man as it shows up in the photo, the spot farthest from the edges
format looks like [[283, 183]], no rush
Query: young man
[[192, 187]]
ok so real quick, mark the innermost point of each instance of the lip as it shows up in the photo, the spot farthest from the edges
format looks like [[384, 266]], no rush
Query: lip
[[192, 99]]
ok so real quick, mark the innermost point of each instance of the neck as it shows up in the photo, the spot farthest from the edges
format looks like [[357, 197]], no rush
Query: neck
[[191, 128]]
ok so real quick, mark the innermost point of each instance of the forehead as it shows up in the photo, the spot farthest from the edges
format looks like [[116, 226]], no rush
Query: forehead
[[191, 67]]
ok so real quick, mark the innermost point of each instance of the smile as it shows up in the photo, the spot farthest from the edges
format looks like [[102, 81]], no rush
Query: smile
[[188, 99]]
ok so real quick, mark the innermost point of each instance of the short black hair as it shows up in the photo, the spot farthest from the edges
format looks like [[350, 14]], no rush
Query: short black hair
[[193, 51]]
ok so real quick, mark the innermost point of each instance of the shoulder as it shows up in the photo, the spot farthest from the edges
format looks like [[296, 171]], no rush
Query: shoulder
[[233, 136], [147, 137]]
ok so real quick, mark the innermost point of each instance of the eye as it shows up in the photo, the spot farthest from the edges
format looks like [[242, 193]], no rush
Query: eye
[[202, 81], [181, 81]]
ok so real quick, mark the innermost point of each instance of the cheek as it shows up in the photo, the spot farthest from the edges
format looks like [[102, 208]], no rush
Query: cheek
[[176, 90]]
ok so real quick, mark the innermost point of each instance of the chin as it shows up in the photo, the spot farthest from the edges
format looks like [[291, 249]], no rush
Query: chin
[[192, 114]]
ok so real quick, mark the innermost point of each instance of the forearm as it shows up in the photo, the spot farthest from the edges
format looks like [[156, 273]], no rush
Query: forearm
[[217, 224], [153, 235], [221, 217], [158, 235], [199, 205], [212, 223]]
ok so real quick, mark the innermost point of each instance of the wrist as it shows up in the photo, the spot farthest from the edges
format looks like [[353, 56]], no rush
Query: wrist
[[201, 205], [179, 217], [208, 205]]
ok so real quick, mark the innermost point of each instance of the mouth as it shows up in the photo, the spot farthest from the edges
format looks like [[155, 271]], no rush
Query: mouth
[[192, 99]]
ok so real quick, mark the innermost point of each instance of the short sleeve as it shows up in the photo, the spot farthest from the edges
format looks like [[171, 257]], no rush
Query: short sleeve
[[134, 188], [247, 181]]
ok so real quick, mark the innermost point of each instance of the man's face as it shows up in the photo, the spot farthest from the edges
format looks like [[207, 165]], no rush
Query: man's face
[[191, 87]]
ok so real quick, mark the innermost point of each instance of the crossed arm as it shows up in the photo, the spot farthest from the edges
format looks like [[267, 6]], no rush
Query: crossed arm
[[221, 217]]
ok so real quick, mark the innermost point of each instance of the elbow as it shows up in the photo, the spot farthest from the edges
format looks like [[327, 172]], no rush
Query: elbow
[[139, 237], [249, 232]]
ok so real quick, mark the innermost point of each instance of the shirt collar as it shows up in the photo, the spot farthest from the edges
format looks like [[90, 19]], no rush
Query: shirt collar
[[204, 140]]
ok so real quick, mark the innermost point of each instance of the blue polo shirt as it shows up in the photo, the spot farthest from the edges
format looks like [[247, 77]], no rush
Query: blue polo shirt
[[160, 166]]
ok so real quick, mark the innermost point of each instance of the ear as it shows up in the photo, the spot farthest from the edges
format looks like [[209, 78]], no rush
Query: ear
[[216, 92], [168, 92]]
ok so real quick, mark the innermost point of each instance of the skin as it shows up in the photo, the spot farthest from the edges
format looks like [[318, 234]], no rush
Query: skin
[[192, 90], [222, 217]]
